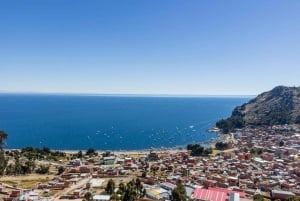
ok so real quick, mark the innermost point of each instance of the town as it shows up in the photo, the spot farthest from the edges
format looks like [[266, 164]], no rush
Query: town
[[258, 164]]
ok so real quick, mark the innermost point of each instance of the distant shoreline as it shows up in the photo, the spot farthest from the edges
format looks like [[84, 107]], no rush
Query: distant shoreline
[[209, 143], [129, 95]]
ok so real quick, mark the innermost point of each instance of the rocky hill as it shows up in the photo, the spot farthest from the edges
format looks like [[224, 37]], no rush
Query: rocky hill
[[281, 105]]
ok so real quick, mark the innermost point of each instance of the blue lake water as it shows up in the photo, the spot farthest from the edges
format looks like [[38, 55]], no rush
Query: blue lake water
[[110, 122]]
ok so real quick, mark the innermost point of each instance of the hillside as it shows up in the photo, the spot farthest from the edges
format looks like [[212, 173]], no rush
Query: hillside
[[281, 105]]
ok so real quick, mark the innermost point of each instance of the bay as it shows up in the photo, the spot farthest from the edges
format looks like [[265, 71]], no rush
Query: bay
[[73, 122]]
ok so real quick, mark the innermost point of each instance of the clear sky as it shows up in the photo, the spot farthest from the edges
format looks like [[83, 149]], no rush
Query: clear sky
[[149, 46]]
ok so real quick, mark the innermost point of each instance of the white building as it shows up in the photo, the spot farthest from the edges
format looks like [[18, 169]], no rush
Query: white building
[[101, 197]]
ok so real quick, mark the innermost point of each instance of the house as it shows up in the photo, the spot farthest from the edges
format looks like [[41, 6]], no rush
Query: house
[[76, 162], [157, 193], [109, 160], [168, 186], [233, 181], [217, 194], [282, 194]]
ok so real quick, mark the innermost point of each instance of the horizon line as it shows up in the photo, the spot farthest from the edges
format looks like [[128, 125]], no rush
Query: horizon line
[[126, 94]]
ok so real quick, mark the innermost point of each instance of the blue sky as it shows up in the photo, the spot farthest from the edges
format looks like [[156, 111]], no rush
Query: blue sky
[[149, 46]]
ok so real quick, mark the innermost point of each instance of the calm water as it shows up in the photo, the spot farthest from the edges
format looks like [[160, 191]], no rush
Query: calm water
[[110, 122]]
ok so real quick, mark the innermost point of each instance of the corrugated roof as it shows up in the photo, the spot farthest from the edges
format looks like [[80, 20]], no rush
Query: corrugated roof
[[242, 194], [157, 192], [168, 185], [283, 192], [204, 194]]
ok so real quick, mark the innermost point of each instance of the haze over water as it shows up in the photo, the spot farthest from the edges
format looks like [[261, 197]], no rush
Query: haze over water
[[110, 122]]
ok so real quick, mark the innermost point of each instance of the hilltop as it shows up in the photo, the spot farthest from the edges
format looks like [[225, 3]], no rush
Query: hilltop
[[279, 106]]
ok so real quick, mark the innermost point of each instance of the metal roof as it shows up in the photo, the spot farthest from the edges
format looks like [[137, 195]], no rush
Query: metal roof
[[204, 194], [101, 197]]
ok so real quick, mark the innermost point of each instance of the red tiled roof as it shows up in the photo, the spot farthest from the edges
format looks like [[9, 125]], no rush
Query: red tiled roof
[[205, 194]]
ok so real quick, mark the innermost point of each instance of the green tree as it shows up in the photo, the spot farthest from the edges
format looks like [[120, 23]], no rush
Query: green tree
[[133, 191], [222, 145], [258, 197], [139, 188], [46, 150], [18, 166], [43, 169], [110, 187], [79, 154], [60, 170], [91, 151], [208, 151], [3, 137], [130, 193], [29, 166], [9, 169], [179, 193], [21, 165], [196, 149], [88, 196], [115, 197], [281, 143], [3, 162], [122, 188]]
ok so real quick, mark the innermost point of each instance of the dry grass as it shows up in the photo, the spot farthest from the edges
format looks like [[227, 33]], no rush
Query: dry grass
[[26, 181], [215, 151]]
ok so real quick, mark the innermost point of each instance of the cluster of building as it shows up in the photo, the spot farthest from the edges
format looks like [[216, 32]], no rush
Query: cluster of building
[[275, 157], [263, 161]]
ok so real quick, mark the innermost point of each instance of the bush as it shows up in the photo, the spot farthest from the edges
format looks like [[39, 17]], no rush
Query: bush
[[91, 151], [43, 169], [258, 197], [60, 170], [222, 145], [198, 150]]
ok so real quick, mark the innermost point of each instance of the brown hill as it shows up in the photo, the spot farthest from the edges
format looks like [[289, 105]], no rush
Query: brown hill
[[281, 105]]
